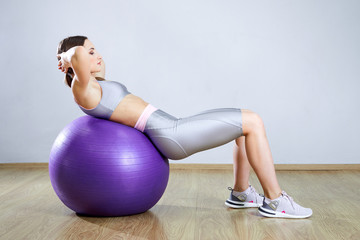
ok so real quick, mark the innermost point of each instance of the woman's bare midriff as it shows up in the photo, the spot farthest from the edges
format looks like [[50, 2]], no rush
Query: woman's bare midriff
[[127, 112]]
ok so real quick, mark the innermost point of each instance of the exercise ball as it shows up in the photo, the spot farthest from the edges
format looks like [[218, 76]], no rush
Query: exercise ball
[[101, 168]]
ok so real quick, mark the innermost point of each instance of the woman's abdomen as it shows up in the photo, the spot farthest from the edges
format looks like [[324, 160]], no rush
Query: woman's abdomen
[[129, 110]]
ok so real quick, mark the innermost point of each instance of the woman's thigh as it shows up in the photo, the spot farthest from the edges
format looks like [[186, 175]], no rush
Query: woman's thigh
[[178, 138]]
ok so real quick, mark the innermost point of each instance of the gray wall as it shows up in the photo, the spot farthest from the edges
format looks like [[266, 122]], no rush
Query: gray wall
[[296, 63]]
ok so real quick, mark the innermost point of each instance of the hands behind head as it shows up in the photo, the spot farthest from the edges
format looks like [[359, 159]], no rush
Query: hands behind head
[[64, 63]]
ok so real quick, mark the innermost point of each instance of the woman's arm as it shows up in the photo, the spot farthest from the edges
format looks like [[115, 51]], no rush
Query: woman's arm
[[81, 65], [78, 59]]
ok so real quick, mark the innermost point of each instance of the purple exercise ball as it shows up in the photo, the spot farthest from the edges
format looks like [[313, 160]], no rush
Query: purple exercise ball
[[101, 168]]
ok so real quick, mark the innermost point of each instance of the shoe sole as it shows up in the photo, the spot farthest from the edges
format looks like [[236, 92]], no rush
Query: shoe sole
[[234, 204], [274, 214]]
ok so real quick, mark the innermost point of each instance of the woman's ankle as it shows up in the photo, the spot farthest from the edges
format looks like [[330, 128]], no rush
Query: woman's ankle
[[240, 188], [272, 195]]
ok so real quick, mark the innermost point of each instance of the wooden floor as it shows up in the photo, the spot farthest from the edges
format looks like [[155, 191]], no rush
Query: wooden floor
[[191, 208]]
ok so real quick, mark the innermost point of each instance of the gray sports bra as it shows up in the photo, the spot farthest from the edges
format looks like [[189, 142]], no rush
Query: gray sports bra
[[112, 93]]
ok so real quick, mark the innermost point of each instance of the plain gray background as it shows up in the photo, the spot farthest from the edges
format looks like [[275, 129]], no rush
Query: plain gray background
[[296, 63]]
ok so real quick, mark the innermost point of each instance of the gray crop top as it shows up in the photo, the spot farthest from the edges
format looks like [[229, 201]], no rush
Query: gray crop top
[[112, 93]]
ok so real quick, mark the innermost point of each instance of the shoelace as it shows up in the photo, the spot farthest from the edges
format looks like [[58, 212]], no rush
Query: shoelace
[[288, 197], [253, 190]]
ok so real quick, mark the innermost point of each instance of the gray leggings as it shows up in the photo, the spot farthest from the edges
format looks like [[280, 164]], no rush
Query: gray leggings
[[178, 138]]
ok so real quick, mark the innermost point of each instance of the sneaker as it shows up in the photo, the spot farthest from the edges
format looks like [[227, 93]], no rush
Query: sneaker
[[248, 198], [283, 207]]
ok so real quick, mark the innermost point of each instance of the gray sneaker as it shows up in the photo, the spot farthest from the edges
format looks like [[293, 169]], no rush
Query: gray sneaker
[[284, 207], [247, 199]]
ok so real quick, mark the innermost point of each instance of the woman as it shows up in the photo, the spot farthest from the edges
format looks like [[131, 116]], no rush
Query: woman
[[178, 138]]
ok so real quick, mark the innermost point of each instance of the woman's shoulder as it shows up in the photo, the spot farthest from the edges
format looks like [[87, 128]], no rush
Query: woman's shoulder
[[87, 97]]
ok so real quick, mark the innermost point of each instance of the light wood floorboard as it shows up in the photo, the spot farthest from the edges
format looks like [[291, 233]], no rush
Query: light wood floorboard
[[191, 208]]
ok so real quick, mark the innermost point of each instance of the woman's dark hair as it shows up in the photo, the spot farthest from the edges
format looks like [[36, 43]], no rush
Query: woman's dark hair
[[65, 45]]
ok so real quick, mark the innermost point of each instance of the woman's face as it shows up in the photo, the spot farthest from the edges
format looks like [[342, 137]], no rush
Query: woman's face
[[95, 57]]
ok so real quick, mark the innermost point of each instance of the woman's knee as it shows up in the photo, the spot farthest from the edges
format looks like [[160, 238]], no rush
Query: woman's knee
[[251, 121], [240, 141]]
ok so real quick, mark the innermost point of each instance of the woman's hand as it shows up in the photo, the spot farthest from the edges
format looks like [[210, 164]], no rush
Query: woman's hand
[[64, 63], [65, 59]]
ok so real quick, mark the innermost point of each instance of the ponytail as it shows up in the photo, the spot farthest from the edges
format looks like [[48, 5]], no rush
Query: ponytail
[[69, 77]]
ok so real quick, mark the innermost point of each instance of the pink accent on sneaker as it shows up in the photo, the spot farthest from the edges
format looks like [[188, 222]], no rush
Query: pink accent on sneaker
[[251, 201], [283, 212], [141, 122]]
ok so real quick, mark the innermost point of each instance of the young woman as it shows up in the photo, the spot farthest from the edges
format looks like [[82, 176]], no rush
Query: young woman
[[177, 138]]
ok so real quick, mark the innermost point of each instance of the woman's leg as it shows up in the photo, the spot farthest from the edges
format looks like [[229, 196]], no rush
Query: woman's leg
[[178, 138], [241, 166], [256, 148], [259, 155]]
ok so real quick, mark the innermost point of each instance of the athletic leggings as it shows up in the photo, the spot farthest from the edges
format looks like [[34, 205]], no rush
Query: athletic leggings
[[178, 138]]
